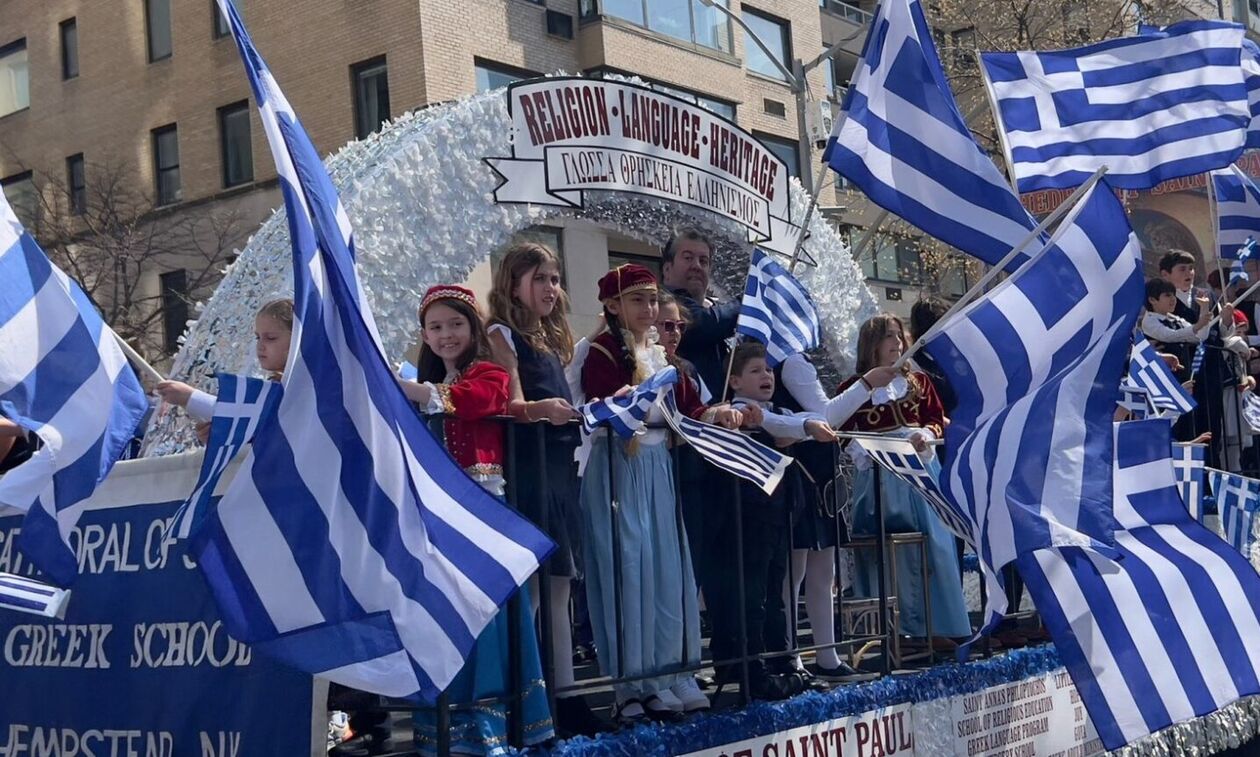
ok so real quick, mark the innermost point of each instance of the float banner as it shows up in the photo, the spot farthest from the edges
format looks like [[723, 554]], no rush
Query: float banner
[[141, 664], [575, 134]]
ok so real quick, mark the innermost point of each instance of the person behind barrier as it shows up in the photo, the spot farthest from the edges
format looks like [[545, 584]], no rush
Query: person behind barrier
[[456, 378], [924, 314], [1169, 332], [530, 337], [657, 625], [686, 263], [907, 407]]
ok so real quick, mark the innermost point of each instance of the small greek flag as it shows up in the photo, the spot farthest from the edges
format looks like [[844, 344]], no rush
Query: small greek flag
[[899, 457], [1148, 371], [1237, 210], [1188, 464], [626, 415], [26, 595], [728, 449], [1237, 499], [241, 405], [1196, 362], [777, 311], [1251, 410], [1136, 400]]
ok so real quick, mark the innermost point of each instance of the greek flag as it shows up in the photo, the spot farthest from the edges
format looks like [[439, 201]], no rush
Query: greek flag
[[1251, 410], [898, 456], [1148, 371], [1165, 630], [626, 415], [728, 449], [1136, 400], [1196, 362], [64, 377], [25, 595], [901, 139], [350, 545], [1189, 461], [1034, 364], [1251, 76], [1237, 211], [777, 311], [1237, 499], [241, 404], [1150, 108]]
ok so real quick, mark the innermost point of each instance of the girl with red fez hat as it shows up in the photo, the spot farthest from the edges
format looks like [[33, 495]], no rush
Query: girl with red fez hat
[[456, 378], [658, 591]]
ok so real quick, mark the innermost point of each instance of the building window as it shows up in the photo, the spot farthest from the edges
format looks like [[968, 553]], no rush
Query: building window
[[550, 236], [723, 108], [495, 75], [775, 34], [963, 42], [157, 18], [236, 151], [15, 84], [221, 28], [370, 80], [69, 49], [785, 150], [896, 261], [653, 264], [688, 20], [19, 190], [76, 185], [166, 164], [174, 286]]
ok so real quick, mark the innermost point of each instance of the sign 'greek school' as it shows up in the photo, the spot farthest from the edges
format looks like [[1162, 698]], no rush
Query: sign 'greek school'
[[575, 134], [141, 664]]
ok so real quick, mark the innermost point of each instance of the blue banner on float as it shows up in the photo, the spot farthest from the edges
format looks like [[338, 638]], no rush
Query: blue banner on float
[[141, 664]]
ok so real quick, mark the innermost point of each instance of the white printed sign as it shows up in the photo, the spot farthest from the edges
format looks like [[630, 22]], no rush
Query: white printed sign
[[575, 134], [883, 732]]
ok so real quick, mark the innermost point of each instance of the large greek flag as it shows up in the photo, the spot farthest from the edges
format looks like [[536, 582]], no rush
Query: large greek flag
[[1164, 632], [1034, 364], [349, 544], [902, 141], [728, 449], [1149, 372], [1237, 210], [1151, 107], [777, 311], [626, 415], [64, 377]]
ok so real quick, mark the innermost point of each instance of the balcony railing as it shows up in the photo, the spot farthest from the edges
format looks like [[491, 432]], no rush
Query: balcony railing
[[846, 11]]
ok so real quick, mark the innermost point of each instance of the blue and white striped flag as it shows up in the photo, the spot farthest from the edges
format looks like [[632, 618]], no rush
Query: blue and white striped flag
[[1151, 107], [1237, 499], [1237, 210], [899, 457], [350, 545], [1149, 372], [1136, 400], [1189, 462], [1196, 361], [1163, 632], [30, 596], [728, 449], [1251, 410], [626, 415], [1251, 77], [64, 377], [777, 311], [1034, 364], [241, 405], [901, 139]]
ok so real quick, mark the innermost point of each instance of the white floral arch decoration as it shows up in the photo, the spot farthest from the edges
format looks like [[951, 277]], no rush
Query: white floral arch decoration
[[421, 202]]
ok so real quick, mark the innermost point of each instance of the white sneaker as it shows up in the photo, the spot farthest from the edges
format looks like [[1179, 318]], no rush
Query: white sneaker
[[668, 699], [690, 695]]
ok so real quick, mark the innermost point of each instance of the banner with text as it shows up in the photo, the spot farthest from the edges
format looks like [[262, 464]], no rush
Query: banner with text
[[141, 664], [577, 134]]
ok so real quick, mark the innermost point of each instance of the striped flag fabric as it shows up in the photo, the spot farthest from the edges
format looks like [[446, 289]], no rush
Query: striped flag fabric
[[27, 595], [898, 456], [1189, 464], [1251, 410], [902, 140], [242, 402], [1033, 363], [1237, 499], [1196, 362], [728, 449], [350, 545], [1251, 78], [64, 377], [626, 415], [1151, 107], [1164, 631], [1136, 400], [777, 311], [1237, 210], [1149, 372]]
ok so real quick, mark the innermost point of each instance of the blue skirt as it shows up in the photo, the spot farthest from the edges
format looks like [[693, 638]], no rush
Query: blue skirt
[[905, 510]]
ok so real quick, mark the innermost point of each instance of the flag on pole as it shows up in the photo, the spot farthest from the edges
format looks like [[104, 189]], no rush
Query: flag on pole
[[1237, 499], [30, 596], [626, 415], [1163, 632], [898, 456], [728, 449], [1152, 107], [901, 139], [1196, 362], [1189, 461], [240, 407], [1034, 364], [1148, 371], [1251, 77], [777, 311], [64, 377], [350, 545], [1136, 400], [1237, 210], [1251, 410]]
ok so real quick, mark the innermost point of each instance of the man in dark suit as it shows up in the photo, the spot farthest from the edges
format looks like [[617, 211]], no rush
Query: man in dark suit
[[687, 263]]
